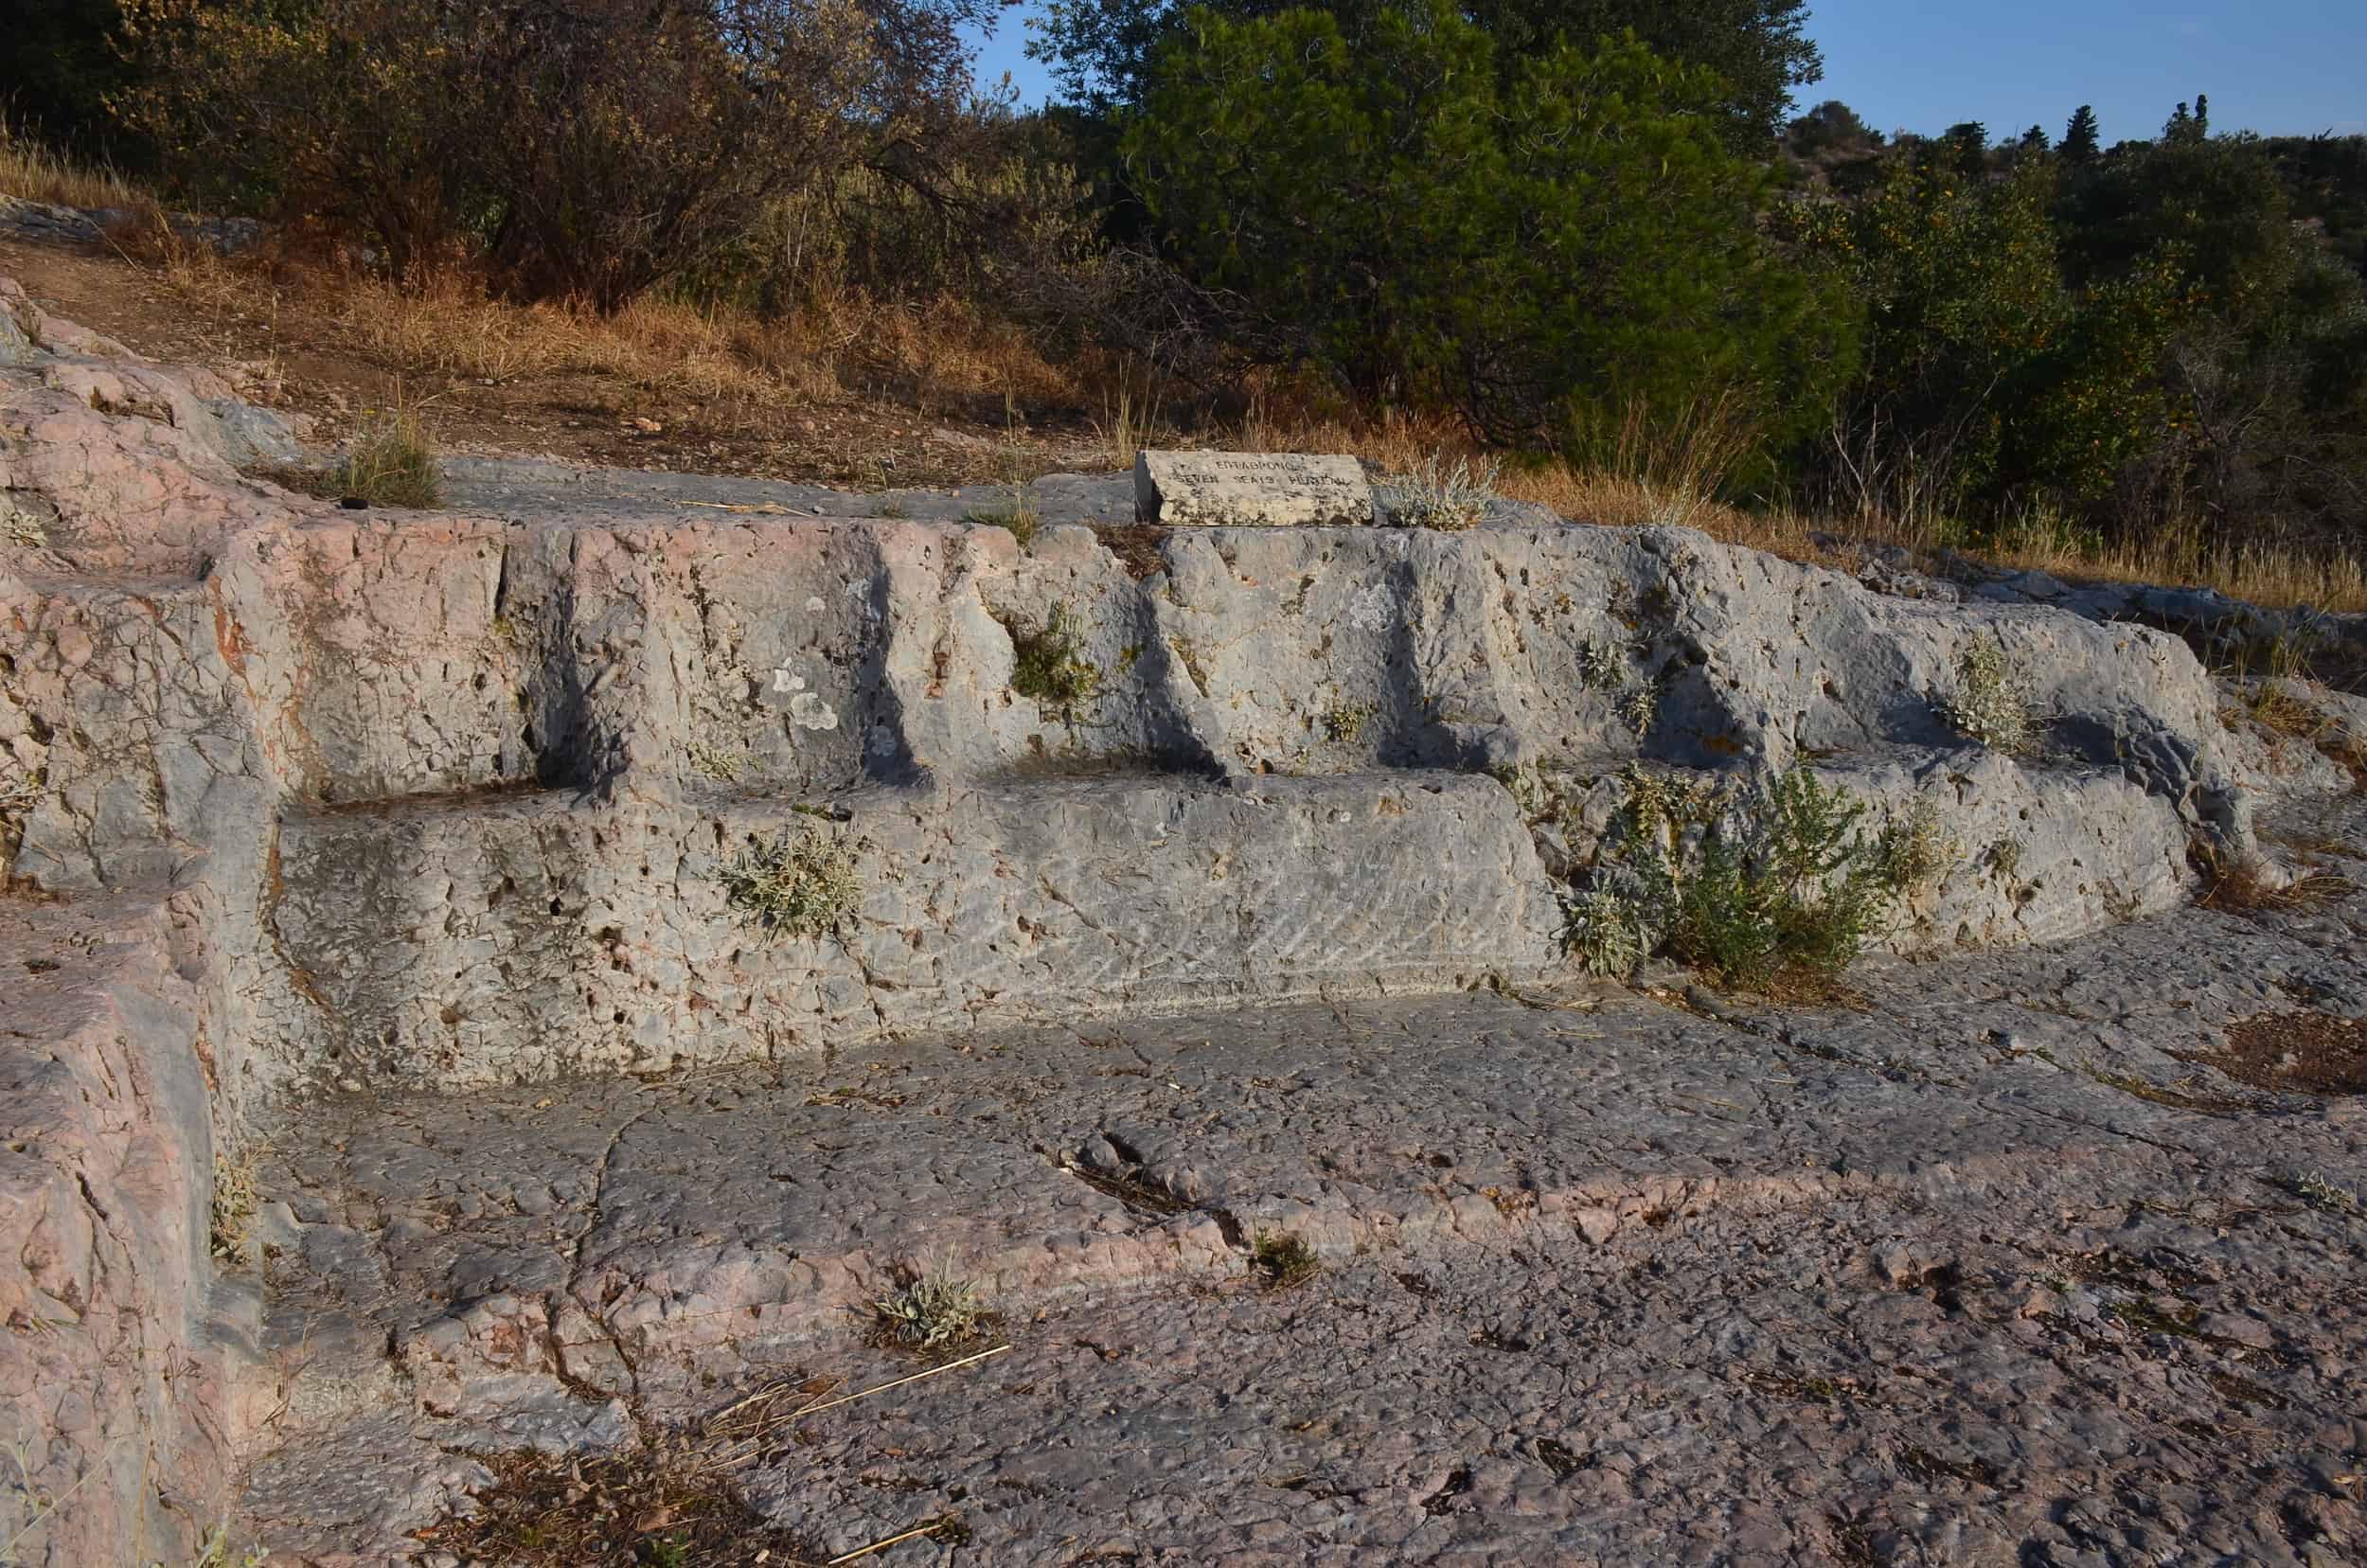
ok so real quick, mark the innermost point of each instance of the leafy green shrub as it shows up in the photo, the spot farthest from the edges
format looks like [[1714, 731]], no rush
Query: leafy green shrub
[[1601, 666], [802, 882], [1777, 885], [1546, 242], [1963, 293], [584, 150], [1606, 931], [1916, 848], [1101, 51]]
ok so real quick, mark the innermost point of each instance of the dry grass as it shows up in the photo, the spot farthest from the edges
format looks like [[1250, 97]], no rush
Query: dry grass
[[743, 374], [745, 371], [389, 462], [712, 354], [676, 1499], [214, 285], [2252, 887], [2271, 705], [662, 1503], [37, 173], [236, 1196], [1674, 479]]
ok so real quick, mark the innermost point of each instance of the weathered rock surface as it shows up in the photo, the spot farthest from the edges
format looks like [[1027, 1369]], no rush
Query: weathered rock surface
[[2000, 1265], [52, 222], [1246, 489], [311, 811]]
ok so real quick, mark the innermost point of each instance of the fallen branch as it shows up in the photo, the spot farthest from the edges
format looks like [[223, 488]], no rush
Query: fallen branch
[[930, 1528], [899, 1382]]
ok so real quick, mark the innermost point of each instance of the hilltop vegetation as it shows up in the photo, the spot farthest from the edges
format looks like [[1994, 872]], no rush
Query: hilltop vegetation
[[1592, 236]]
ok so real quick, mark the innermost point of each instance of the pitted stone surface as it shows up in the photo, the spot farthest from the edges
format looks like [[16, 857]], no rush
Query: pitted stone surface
[[1255, 927], [1997, 1265], [529, 936], [123, 1358]]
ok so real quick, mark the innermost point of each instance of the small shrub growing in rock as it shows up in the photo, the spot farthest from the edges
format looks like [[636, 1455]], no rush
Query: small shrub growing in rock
[[1778, 887], [2005, 858], [802, 882], [1449, 499], [1991, 703], [24, 530], [1608, 933], [2318, 1193], [235, 1197], [1048, 665], [1282, 1259], [932, 1312], [391, 464], [724, 764], [1916, 848], [1600, 667], [1640, 709], [217, 1552], [19, 792], [1346, 721]]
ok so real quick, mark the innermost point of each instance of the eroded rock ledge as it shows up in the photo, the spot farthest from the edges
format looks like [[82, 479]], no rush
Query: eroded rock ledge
[[307, 800]]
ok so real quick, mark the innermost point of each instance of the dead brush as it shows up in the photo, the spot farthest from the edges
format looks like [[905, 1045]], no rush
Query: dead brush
[[2251, 886], [663, 1502], [1281, 1260], [676, 1498], [236, 1194], [33, 172], [199, 276]]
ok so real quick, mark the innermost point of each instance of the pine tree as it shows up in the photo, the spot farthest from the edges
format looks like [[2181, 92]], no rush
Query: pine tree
[[2082, 142], [1968, 148]]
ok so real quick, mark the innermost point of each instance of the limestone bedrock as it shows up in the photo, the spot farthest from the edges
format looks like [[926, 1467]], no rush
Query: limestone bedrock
[[309, 812], [1249, 489]]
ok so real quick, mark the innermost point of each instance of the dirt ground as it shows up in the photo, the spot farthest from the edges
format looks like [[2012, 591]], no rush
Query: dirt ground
[[298, 358]]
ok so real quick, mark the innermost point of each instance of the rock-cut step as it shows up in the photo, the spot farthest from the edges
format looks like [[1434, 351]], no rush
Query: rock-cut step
[[455, 1277], [510, 936]]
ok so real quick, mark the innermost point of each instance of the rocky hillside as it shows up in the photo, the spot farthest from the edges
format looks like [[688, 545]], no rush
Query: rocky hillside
[[427, 928]]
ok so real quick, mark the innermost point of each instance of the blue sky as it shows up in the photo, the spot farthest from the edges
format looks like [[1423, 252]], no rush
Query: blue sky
[[2276, 67]]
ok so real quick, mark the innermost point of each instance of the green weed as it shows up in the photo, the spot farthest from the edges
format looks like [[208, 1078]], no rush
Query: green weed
[[799, 882]]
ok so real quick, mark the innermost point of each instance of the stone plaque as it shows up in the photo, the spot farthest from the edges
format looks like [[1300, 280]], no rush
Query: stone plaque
[[1249, 489]]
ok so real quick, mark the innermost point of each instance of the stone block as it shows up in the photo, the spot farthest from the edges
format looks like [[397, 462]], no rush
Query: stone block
[[1249, 489]]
